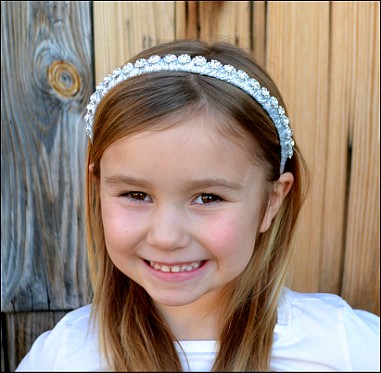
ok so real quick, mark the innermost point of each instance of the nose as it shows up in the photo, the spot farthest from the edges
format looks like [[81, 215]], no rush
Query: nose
[[168, 229]]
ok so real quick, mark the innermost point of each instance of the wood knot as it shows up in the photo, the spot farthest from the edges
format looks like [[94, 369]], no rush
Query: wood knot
[[64, 78]]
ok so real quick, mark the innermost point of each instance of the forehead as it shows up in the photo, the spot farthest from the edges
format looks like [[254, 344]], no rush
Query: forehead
[[193, 147], [199, 124], [191, 132]]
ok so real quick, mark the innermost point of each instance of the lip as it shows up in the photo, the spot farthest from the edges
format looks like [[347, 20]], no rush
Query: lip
[[176, 276]]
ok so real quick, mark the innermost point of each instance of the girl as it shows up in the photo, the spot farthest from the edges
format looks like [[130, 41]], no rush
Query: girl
[[193, 191]]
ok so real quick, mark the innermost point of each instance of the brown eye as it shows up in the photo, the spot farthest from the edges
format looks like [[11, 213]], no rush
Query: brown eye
[[138, 195], [209, 198]]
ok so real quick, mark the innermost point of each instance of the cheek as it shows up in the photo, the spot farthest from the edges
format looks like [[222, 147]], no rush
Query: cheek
[[120, 229], [230, 235]]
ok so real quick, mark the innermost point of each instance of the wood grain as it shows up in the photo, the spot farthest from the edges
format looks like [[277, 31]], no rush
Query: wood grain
[[297, 56], [259, 31], [21, 329], [325, 58], [215, 21], [225, 20], [46, 81], [122, 29], [187, 20], [357, 36]]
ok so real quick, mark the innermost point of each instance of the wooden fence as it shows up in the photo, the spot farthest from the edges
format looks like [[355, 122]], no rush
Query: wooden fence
[[325, 58]]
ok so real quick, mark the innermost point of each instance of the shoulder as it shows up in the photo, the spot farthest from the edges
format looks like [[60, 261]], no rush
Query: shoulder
[[322, 331], [330, 308], [72, 345]]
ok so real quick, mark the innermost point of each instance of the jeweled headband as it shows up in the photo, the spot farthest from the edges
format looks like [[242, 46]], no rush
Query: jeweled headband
[[199, 65]]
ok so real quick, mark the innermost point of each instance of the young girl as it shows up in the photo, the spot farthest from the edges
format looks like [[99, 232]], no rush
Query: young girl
[[193, 191]]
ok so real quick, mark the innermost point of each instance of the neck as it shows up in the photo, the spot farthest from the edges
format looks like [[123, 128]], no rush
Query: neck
[[194, 321]]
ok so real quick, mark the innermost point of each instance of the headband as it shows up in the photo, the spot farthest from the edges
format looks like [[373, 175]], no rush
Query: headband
[[199, 65]]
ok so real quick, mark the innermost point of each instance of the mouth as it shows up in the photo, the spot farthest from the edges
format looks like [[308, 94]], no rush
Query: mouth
[[183, 267]]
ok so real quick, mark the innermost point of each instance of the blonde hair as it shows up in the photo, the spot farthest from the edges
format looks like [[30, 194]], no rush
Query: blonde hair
[[133, 335]]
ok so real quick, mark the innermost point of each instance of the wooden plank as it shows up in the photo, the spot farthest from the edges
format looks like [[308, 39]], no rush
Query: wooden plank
[[214, 21], [21, 330], [338, 154], [225, 20], [3, 361], [297, 57], [46, 80], [259, 31], [122, 29], [187, 24], [358, 24]]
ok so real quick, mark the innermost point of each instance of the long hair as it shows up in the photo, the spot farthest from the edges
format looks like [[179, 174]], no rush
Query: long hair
[[133, 335]]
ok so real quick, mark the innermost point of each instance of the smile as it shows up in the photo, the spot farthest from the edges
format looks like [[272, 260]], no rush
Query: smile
[[177, 268]]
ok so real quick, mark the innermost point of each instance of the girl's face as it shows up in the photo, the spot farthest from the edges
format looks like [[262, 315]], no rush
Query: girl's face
[[181, 209]]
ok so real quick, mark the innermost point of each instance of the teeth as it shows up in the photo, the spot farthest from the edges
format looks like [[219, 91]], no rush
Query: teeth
[[176, 268]]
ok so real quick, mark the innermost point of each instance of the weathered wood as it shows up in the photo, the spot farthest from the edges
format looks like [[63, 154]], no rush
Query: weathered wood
[[187, 24], [3, 359], [21, 329], [338, 167], [332, 90], [214, 21], [122, 29], [297, 56], [46, 82], [259, 31], [360, 37], [225, 20]]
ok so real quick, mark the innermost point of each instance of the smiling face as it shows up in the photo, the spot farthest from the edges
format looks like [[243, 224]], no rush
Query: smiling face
[[181, 208]]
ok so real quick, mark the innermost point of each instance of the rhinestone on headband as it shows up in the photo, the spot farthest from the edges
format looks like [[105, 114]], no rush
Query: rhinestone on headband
[[199, 65]]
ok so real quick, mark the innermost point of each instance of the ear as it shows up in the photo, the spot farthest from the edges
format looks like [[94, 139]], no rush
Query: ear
[[280, 189], [91, 171]]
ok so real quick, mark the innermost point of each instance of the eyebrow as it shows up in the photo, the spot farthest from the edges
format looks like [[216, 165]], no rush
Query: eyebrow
[[217, 182], [193, 184], [124, 179]]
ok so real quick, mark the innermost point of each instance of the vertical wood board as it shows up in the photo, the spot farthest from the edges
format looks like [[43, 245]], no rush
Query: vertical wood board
[[122, 29], [361, 280], [46, 80], [297, 57], [21, 329], [259, 31], [215, 21], [225, 20]]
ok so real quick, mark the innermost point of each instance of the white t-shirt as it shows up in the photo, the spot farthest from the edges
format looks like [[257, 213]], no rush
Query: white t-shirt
[[314, 332]]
